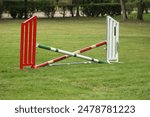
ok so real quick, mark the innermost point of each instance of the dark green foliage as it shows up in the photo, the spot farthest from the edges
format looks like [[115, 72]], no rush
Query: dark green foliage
[[91, 8], [1, 10], [90, 1], [94, 10], [130, 7], [140, 7], [47, 7], [70, 7], [18, 9], [147, 4]]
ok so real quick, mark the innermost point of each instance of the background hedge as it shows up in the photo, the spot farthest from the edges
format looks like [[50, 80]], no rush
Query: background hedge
[[18, 9], [95, 10]]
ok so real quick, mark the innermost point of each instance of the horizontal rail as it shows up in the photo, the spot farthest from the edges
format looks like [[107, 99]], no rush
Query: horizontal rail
[[67, 56], [70, 53]]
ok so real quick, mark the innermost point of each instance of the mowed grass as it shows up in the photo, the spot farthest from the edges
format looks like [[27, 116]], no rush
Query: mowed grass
[[127, 80]]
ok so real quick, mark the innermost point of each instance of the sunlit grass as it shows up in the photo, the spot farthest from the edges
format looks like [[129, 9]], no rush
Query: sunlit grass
[[128, 80]]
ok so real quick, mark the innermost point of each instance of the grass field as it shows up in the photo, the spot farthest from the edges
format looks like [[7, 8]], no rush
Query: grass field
[[128, 80]]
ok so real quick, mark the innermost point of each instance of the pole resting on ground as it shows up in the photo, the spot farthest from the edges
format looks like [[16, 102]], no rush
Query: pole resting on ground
[[69, 53], [73, 63], [67, 56]]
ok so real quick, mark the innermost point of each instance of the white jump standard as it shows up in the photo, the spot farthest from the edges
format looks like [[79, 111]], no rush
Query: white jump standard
[[112, 40]]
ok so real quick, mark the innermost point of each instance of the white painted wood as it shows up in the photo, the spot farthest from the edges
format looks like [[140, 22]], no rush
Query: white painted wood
[[112, 40]]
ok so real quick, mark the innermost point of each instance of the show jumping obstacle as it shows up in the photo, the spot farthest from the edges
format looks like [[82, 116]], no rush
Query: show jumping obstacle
[[28, 46]]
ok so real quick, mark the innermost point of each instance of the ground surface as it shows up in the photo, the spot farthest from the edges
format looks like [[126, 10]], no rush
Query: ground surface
[[129, 80]]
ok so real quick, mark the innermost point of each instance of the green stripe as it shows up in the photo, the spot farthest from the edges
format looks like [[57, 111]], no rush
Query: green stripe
[[44, 47], [75, 55], [103, 62]]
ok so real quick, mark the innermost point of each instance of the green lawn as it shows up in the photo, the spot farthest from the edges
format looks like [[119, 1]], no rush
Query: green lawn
[[127, 80]]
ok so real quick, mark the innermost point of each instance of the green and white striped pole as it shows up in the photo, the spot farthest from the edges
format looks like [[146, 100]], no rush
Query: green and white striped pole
[[70, 53]]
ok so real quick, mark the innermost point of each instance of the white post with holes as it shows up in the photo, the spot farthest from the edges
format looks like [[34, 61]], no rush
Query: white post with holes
[[112, 40]]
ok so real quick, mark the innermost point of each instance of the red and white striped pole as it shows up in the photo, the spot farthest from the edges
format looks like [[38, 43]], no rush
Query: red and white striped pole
[[67, 56]]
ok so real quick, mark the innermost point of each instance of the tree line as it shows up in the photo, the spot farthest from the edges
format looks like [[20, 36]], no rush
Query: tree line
[[141, 5], [90, 8]]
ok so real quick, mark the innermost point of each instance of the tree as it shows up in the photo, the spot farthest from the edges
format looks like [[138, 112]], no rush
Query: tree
[[77, 3], [57, 1], [1, 9], [1, 2], [26, 9], [124, 14], [140, 6]]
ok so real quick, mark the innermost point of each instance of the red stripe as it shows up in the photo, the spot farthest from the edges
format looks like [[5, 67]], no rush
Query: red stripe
[[100, 44], [46, 63], [85, 49], [30, 43], [60, 58], [21, 46], [41, 65], [89, 48], [34, 40], [26, 44]]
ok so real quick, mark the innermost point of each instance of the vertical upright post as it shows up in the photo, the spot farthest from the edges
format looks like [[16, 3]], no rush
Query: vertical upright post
[[28, 42], [22, 46], [112, 39], [34, 41]]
